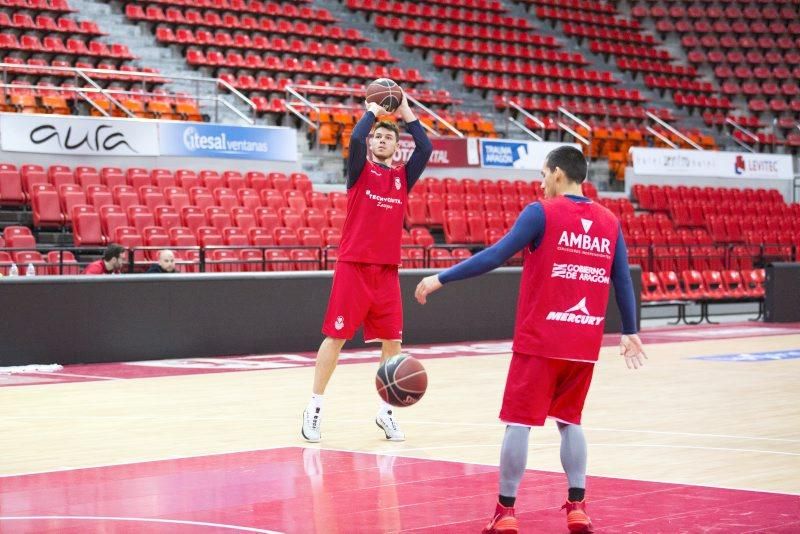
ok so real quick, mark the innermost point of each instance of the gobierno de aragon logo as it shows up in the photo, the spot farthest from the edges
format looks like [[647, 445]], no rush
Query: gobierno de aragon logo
[[102, 138]]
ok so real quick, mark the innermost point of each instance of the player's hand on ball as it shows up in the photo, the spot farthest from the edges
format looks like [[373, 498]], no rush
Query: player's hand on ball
[[403, 104], [427, 286], [630, 347], [376, 109]]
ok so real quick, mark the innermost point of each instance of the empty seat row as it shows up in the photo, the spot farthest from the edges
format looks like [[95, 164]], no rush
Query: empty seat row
[[707, 285]]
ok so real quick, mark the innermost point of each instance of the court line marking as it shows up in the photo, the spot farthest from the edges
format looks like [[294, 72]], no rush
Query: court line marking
[[139, 519], [405, 422], [147, 461], [618, 477], [593, 444], [98, 377]]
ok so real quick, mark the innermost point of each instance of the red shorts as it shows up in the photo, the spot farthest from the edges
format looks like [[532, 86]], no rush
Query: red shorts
[[368, 294], [538, 388]]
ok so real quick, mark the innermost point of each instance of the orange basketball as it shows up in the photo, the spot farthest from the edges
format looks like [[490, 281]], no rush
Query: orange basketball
[[385, 93], [401, 381]]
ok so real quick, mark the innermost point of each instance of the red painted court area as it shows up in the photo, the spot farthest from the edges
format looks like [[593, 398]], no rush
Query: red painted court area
[[300, 490]]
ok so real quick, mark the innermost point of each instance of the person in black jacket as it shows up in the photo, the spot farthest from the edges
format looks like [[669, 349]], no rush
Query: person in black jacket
[[166, 263]]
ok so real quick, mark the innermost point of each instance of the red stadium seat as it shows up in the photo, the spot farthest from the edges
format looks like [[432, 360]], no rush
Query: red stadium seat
[[693, 285], [441, 257], [754, 282], [455, 227], [46, 207], [476, 226], [11, 193], [61, 262], [112, 217], [139, 217], [715, 288], [86, 227], [416, 212], [422, 237]]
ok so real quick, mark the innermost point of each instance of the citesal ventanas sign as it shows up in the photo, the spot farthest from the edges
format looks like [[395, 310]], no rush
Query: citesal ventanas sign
[[222, 141]]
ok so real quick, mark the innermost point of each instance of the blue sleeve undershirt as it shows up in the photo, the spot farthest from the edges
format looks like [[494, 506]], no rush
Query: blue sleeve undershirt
[[422, 153], [528, 230], [358, 150]]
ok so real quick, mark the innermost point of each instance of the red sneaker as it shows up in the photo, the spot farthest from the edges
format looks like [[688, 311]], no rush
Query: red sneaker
[[503, 522], [577, 520]]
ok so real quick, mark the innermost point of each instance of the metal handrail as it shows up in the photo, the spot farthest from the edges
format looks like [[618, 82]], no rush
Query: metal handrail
[[566, 112], [85, 74], [294, 91], [563, 111], [673, 130], [306, 102], [520, 125], [525, 129], [664, 139], [731, 123], [108, 96], [435, 116]]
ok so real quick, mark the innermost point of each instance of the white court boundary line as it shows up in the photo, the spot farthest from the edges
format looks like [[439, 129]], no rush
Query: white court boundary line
[[96, 377], [139, 519], [619, 445], [405, 421], [145, 461]]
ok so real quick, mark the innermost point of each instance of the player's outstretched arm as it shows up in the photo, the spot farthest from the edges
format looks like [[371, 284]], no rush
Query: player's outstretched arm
[[528, 228], [358, 142], [422, 145]]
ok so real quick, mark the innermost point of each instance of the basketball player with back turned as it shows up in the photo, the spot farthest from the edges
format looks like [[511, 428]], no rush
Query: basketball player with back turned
[[573, 250], [366, 284]]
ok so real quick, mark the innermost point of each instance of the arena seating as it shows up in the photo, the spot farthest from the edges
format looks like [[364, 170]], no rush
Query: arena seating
[[261, 47], [42, 34], [499, 55], [704, 245], [752, 49]]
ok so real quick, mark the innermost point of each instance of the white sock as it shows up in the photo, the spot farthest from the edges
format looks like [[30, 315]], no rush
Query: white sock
[[314, 403], [385, 407]]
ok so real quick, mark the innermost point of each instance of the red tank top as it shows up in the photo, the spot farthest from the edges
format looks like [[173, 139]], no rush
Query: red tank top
[[375, 211], [565, 282]]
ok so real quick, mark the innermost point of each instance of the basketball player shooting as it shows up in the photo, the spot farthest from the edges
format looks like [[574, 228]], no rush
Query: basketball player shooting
[[366, 284], [570, 245]]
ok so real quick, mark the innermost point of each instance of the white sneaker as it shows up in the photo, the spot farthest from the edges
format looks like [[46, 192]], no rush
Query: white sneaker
[[386, 422], [311, 426]]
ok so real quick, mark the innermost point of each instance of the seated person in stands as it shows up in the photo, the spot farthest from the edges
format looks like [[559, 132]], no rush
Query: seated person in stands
[[166, 263], [112, 261]]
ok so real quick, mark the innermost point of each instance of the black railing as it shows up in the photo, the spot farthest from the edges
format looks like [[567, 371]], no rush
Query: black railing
[[731, 256]]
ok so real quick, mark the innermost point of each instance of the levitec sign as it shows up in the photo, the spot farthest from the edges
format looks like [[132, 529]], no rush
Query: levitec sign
[[53, 134], [706, 163]]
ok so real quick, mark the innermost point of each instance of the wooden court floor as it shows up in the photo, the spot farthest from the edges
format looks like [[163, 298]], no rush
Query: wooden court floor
[[724, 424]]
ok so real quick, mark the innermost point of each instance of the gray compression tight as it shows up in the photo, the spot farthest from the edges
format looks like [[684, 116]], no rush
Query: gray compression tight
[[514, 456], [573, 454]]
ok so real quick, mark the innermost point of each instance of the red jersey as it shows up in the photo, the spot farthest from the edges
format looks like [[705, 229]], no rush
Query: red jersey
[[565, 282], [375, 210], [96, 267]]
